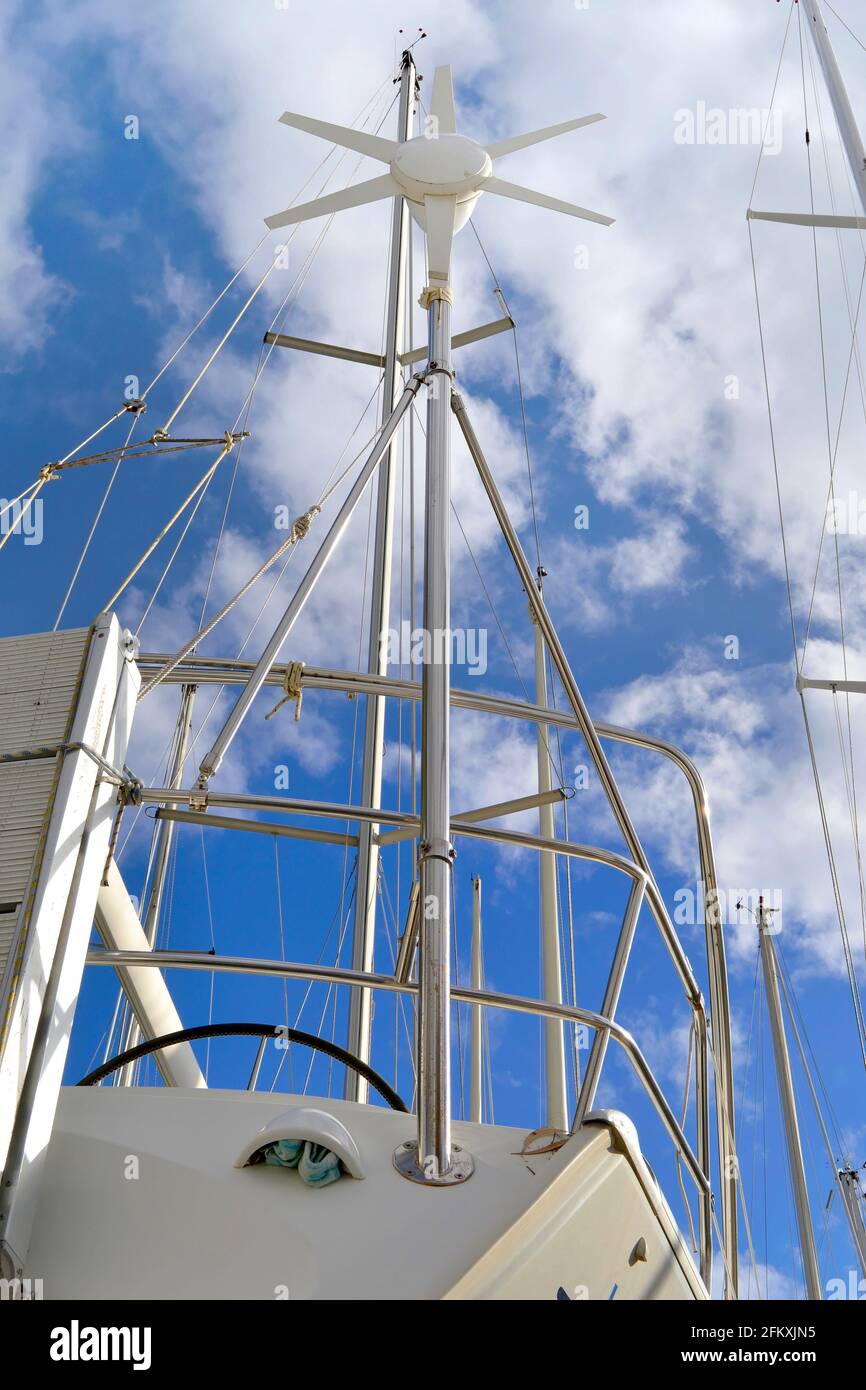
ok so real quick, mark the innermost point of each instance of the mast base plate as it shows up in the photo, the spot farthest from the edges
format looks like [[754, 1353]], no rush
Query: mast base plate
[[407, 1165]]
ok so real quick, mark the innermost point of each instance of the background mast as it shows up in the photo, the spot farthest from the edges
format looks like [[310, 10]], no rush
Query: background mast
[[845, 118], [788, 1103]]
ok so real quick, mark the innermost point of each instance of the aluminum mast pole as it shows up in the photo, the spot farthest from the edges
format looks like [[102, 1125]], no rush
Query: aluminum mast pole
[[360, 1015], [554, 1048], [430, 1158], [789, 1105], [436, 853], [845, 118], [477, 984]]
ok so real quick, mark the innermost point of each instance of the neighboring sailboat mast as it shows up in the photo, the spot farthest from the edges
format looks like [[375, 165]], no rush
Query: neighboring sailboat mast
[[849, 130]]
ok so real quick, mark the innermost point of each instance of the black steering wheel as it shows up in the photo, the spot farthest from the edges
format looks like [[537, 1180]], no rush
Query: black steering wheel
[[249, 1030]]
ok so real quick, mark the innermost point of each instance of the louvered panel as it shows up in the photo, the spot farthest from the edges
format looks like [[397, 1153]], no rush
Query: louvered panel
[[38, 682], [16, 862], [42, 662], [24, 791], [31, 717]]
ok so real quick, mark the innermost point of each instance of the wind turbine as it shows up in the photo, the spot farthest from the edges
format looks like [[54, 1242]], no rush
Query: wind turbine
[[441, 174]]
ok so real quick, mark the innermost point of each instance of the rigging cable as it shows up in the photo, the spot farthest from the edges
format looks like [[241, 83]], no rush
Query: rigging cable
[[840, 911], [93, 525], [836, 14], [296, 288], [36, 487], [850, 780], [271, 268], [252, 628]]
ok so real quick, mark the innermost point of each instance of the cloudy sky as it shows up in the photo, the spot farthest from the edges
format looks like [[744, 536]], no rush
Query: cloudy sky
[[646, 405]]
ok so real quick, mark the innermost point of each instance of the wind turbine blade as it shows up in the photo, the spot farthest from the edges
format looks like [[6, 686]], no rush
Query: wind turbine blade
[[542, 200], [439, 214], [359, 140], [807, 219], [370, 192], [534, 137], [442, 101]]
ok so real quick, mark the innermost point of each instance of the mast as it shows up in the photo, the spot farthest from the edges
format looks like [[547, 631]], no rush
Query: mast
[[477, 983], [554, 1050], [845, 118], [443, 174], [366, 882], [435, 851], [770, 968], [852, 1195]]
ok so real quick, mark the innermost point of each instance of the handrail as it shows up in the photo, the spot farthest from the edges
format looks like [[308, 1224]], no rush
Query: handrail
[[217, 670], [333, 810], [361, 979]]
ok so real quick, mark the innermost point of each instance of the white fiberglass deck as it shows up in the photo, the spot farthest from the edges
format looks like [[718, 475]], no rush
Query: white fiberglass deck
[[141, 1200]]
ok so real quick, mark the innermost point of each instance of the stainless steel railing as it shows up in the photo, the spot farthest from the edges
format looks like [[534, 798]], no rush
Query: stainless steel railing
[[215, 670], [603, 1026]]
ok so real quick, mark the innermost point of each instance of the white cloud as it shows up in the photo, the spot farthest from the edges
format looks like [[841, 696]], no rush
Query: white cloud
[[745, 732], [36, 132]]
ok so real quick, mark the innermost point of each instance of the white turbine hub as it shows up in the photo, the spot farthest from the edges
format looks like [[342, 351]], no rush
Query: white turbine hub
[[449, 165]]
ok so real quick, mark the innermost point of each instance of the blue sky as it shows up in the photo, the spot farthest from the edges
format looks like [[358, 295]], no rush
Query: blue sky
[[110, 250]]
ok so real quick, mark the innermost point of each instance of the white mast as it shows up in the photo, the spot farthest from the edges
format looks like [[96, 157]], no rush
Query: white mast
[[789, 1106], [845, 118], [849, 132]]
